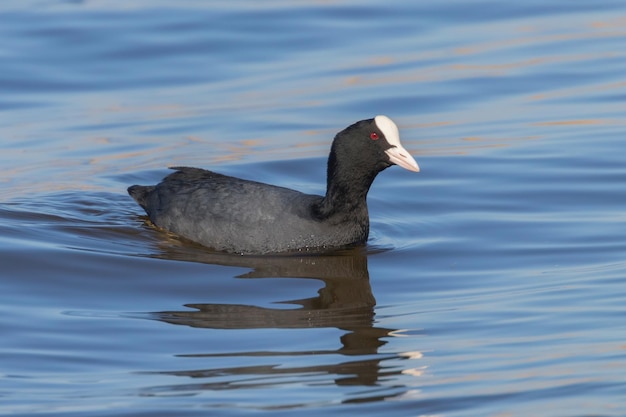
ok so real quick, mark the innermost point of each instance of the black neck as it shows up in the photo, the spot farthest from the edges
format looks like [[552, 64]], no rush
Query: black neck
[[346, 190]]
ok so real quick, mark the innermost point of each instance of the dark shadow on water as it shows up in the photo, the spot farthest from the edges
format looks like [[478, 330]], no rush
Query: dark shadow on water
[[345, 302]]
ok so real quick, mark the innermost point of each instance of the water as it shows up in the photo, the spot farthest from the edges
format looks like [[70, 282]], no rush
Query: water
[[494, 280]]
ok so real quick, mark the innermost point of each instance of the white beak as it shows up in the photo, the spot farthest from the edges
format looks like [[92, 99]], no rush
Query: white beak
[[401, 157]]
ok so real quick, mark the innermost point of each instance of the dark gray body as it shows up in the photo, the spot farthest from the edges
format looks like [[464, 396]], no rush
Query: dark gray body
[[241, 216]]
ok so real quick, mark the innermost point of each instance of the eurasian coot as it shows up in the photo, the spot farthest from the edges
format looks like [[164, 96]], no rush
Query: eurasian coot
[[247, 217]]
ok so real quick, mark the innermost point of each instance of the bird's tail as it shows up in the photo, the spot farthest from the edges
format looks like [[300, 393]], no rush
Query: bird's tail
[[140, 193]]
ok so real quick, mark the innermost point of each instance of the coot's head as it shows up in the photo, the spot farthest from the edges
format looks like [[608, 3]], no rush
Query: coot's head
[[372, 145], [358, 154]]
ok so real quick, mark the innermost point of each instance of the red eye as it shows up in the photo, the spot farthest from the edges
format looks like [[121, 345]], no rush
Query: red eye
[[374, 136]]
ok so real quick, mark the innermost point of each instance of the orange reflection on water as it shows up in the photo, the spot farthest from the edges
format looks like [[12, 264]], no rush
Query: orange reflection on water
[[579, 122]]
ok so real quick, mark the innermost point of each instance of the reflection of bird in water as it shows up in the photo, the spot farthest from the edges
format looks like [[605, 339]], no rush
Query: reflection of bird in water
[[345, 302]]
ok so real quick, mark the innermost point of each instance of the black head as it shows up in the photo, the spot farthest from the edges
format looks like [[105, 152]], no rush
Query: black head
[[370, 146], [358, 154]]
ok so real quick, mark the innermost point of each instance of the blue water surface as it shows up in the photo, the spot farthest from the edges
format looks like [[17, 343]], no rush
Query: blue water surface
[[494, 280]]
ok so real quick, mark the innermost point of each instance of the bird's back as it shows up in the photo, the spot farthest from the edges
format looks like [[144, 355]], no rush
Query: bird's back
[[236, 215]]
